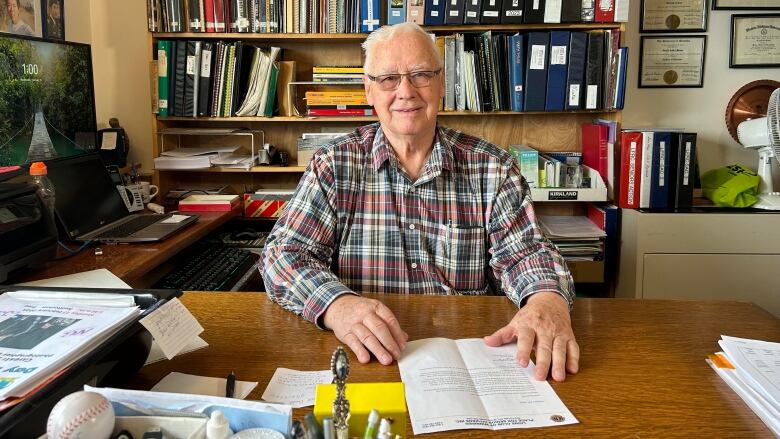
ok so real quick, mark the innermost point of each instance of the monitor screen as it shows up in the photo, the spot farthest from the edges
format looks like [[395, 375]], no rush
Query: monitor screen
[[47, 104]]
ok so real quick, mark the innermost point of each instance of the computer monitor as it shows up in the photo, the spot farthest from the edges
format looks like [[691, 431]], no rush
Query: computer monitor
[[47, 103]]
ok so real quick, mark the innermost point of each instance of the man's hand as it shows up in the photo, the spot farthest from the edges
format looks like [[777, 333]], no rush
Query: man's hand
[[363, 324], [543, 325]]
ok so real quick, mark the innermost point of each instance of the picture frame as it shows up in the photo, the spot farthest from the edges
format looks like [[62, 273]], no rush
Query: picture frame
[[53, 19], [746, 4], [672, 61], [673, 16], [21, 17], [755, 41]]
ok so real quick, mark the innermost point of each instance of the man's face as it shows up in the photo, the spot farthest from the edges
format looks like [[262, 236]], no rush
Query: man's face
[[407, 110], [54, 10], [13, 11]]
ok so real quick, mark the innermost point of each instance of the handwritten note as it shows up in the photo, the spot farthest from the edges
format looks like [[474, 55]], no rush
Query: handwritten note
[[295, 387], [172, 326]]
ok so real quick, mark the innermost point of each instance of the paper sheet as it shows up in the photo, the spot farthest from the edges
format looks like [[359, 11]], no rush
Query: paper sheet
[[176, 382], [758, 363], [295, 387], [156, 354], [173, 326], [462, 384]]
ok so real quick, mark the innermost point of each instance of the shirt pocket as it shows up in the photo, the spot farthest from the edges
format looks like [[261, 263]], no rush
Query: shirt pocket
[[460, 258]]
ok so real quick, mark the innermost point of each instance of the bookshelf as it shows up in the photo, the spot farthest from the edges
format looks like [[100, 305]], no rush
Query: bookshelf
[[547, 131]]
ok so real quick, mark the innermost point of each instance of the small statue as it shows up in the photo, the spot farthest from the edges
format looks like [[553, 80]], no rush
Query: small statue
[[339, 365]]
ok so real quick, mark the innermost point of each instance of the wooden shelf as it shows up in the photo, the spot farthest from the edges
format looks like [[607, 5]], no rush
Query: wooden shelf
[[362, 36], [254, 169]]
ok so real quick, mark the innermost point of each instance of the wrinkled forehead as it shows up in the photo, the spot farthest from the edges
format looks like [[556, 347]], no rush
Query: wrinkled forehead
[[405, 53]]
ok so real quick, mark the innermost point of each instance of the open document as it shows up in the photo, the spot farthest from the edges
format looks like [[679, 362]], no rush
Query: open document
[[462, 384], [38, 339]]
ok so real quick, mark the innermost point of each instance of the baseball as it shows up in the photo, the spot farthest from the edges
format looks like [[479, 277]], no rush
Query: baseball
[[81, 415]]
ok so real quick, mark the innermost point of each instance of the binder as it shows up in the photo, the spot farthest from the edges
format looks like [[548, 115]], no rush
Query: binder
[[396, 11], [571, 11], [534, 11], [630, 168], [536, 65], [516, 48], [682, 168], [512, 11], [449, 73], [472, 11], [415, 11], [239, 16], [163, 74], [594, 70], [208, 10], [557, 70], [219, 16], [501, 60], [179, 78], [552, 11], [195, 21], [242, 73], [659, 183], [588, 11], [575, 75], [191, 79], [434, 12], [454, 11], [369, 15], [491, 12], [605, 11], [621, 78], [205, 83], [645, 181], [595, 153]]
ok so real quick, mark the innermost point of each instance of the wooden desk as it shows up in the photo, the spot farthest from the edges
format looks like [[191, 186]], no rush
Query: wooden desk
[[642, 369], [132, 262]]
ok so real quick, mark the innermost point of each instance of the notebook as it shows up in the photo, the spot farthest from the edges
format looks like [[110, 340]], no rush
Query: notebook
[[89, 207]]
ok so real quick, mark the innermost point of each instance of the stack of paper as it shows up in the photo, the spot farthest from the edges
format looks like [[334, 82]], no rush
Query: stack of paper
[[752, 369], [576, 237], [192, 158], [40, 338]]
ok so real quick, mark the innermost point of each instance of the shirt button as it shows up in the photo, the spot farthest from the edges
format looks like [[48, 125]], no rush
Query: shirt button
[[411, 226], [411, 189], [414, 264]]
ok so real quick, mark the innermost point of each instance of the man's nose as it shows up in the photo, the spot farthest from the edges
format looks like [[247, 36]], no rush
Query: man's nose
[[405, 87]]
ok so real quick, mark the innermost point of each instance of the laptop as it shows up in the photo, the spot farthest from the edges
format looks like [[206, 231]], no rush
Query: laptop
[[89, 207]]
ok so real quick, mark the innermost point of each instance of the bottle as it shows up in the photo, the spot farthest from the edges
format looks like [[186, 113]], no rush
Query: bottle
[[39, 173], [217, 426]]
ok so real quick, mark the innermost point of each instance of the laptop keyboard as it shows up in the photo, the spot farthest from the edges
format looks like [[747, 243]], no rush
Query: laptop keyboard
[[126, 229]]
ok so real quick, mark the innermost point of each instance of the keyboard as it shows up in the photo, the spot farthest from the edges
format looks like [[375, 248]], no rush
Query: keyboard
[[211, 268], [138, 222]]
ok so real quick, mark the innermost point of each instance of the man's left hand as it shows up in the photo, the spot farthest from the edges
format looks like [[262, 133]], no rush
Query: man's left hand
[[544, 326]]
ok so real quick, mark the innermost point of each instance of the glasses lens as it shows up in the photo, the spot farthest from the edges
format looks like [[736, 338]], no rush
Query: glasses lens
[[389, 82], [420, 79]]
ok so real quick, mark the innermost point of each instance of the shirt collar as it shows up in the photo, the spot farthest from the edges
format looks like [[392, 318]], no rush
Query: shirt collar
[[441, 157]]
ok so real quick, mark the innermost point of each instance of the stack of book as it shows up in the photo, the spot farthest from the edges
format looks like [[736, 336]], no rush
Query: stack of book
[[338, 103], [337, 74], [751, 368]]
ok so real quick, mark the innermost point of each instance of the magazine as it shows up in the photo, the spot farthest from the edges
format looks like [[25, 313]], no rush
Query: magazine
[[39, 339]]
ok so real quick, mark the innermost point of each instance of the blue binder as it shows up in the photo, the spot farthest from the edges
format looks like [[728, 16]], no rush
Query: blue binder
[[557, 71], [434, 12], [537, 59], [516, 52], [396, 11], [369, 15], [660, 178]]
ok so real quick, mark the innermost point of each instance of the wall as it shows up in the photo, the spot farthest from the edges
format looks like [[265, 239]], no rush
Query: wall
[[696, 109]]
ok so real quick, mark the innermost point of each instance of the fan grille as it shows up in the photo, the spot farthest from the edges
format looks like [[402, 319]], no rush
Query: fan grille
[[773, 122]]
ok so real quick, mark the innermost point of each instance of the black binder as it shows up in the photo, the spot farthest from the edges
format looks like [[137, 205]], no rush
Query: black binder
[[206, 82], [537, 62], [594, 68], [512, 11], [472, 11], [453, 11], [180, 72], [534, 11], [191, 78], [109, 364], [571, 11]]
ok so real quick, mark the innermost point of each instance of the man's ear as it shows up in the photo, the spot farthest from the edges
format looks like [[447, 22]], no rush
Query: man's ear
[[367, 88]]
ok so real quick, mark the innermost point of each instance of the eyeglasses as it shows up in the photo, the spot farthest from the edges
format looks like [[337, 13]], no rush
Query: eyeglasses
[[419, 79]]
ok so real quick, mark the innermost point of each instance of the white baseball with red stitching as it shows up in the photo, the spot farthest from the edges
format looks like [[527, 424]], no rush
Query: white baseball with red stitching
[[81, 415]]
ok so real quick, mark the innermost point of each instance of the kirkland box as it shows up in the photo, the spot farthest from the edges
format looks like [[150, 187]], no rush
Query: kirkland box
[[266, 204]]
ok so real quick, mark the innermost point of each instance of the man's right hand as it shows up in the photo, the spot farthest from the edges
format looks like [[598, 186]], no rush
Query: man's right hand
[[366, 325]]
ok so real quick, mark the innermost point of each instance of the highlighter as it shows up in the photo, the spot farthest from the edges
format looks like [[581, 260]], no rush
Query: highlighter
[[373, 420]]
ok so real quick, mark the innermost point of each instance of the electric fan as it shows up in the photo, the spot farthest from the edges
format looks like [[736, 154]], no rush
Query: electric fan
[[763, 133]]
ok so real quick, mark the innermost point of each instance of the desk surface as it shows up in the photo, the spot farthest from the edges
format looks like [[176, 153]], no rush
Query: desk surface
[[131, 262], [642, 369]]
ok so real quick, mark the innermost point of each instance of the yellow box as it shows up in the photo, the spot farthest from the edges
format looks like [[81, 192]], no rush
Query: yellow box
[[389, 399]]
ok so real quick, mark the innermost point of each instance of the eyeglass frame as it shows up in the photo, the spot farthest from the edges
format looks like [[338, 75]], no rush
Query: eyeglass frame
[[408, 76]]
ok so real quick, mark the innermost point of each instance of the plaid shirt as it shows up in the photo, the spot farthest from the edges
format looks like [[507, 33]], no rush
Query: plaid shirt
[[357, 223]]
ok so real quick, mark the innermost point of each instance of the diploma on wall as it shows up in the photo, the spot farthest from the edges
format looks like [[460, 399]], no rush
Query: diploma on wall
[[672, 61], [464, 384], [674, 15]]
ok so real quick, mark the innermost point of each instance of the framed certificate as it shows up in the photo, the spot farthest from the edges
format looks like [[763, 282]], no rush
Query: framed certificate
[[671, 61], [755, 41], [673, 15], [745, 4]]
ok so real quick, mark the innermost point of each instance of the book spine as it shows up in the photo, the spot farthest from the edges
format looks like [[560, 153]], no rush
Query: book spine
[[163, 68], [630, 161]]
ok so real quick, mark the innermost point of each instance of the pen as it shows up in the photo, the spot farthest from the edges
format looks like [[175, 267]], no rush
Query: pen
[[230, 385], [328, 430], [373, 420]]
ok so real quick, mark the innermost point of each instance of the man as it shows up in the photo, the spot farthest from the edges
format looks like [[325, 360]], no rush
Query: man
[[53, 29], [406, 206], [15, 24]]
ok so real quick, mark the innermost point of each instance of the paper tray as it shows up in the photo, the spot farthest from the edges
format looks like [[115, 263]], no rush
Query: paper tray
[[111, 363]]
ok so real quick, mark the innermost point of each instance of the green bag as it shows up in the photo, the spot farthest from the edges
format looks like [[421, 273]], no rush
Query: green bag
[[731, 186]]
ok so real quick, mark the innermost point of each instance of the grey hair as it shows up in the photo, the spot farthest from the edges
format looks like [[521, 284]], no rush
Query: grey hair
[[386, 33]]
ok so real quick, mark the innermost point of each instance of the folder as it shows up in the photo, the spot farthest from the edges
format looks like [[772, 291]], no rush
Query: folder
[[594, 70], [163, 74], [534, 11], [516, 71], [575, 75], [491, 12], [512, 11], [454, 11], [536, 65], [557, 70], [434, 12], [396, 11]]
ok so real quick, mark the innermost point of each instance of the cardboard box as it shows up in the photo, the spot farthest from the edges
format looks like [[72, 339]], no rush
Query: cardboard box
[[209, 203], [389, 399], [266, 204]]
